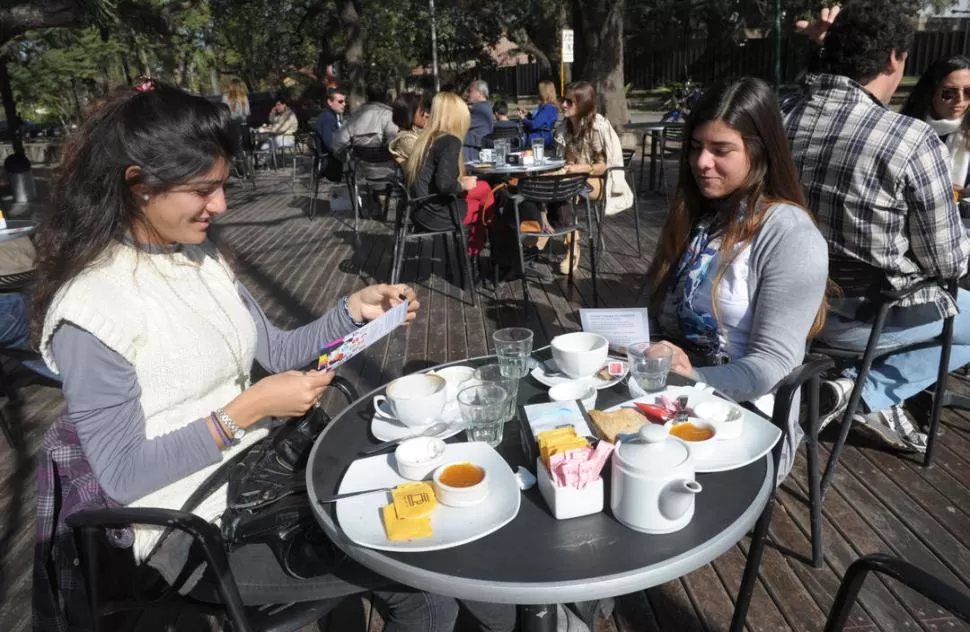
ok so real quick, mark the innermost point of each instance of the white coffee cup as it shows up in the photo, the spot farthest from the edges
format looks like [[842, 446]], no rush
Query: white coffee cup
[[456, 376], [485, 155], [414, 400], [572, 391]]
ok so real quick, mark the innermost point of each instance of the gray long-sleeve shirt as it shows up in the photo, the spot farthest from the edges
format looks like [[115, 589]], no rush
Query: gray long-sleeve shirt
[[102, 393]]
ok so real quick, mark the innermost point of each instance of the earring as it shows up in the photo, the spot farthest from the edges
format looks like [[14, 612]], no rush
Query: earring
[[146, 197]]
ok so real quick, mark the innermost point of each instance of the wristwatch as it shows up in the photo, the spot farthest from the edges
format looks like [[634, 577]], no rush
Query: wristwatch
[[235, 432]]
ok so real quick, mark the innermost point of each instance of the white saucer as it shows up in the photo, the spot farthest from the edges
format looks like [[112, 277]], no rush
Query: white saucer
[[539, 373], [387, 428]]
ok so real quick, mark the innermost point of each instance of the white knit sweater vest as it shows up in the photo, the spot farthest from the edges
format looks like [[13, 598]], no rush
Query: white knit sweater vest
[[178, 319]]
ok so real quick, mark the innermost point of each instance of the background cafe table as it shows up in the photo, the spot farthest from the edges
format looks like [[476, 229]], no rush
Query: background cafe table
[[490, 170], [536, 559], [659, 132]]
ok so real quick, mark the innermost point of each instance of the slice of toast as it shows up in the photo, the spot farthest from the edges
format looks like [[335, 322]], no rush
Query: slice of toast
[[608, 425]]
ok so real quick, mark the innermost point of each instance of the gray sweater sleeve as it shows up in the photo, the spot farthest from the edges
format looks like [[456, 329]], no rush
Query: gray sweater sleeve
[[790, 259], [102, 393]]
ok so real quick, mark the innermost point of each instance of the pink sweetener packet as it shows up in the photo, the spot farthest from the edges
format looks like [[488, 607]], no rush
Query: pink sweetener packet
[[588, 472], [601, 455], [570, 473]]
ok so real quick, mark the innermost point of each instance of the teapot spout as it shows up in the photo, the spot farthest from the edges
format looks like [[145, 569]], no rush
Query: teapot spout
[[676, 498]]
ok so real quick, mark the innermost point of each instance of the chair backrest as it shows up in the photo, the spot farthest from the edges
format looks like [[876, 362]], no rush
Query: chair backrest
[[505, 132], [857, 278], [628, 155], [488, 142], [303, 143], [374, 155], [553, 188], [674, 132]]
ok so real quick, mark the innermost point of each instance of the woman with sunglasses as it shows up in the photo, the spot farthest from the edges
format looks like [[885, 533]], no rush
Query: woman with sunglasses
[[941, 97]]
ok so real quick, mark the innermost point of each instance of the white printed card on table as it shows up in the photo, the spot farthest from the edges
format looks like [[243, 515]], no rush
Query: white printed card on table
[[621, 326], [553, 415], [336, 352]]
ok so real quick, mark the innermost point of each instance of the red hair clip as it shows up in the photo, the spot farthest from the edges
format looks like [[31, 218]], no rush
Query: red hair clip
[[145, 85]]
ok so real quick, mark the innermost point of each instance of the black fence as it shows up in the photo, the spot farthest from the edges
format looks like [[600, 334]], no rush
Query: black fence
[[706, 61]]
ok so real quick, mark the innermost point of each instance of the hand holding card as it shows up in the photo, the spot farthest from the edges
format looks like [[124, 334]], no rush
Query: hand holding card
[[336, 352]]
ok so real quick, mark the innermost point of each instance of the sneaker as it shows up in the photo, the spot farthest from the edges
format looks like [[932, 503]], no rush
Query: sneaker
[[893, 427], [833, 399]]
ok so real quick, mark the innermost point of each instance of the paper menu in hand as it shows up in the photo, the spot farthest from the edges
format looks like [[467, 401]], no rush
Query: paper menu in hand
[[553, 415], [336, 352], [621, 327]]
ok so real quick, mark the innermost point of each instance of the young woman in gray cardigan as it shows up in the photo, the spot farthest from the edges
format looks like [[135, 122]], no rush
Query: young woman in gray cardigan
[[738, 281]]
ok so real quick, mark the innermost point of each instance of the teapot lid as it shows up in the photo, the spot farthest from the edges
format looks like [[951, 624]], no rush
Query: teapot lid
[[653, 451]]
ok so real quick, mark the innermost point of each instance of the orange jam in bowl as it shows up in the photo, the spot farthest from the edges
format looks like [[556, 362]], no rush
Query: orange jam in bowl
[[462, 475], [691, 432]]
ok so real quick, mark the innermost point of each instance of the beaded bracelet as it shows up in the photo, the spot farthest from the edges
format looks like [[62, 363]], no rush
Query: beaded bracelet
[[223, 436], [345, 301]]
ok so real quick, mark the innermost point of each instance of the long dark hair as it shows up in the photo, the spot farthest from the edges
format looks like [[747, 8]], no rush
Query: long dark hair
[[749, 107], [919, 104], [170, 135], [583, 96], [404, 110]]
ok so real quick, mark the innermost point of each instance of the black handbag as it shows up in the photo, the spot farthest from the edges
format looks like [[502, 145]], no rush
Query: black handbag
[[266, 500]]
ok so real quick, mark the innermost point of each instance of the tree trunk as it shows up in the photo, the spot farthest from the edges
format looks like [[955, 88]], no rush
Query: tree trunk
[[599, 54], [10, 109], [214, 80], [353, 56]]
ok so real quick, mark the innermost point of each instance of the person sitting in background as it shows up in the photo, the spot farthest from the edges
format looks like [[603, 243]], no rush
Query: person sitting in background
[[941, 98], [17, 256], [435, 167], [738, 281], [411, 111], [880, 187], [238, 101], [371, 125], [327, 124], [501, 112], [482, 119], [541, 121], [282, 125]]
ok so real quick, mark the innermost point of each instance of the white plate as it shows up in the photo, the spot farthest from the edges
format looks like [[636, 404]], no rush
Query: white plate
[[539, 373], [387, 428], [757, 438], [360, 516]]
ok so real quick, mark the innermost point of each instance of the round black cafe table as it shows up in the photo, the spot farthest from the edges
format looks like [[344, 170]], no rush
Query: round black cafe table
[[536, 559]]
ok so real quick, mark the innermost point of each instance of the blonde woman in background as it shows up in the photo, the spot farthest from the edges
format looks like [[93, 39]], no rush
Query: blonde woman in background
[[540, 122], [435, 166], [237, 98]]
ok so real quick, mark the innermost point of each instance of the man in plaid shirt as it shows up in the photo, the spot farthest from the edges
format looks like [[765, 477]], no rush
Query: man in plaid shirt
[[879, 185]]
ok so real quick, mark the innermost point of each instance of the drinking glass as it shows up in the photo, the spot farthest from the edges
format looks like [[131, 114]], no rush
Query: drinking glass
[[649, 365], [492, 374], [501, 152], [483, 410], [538, 150], [513, 346]]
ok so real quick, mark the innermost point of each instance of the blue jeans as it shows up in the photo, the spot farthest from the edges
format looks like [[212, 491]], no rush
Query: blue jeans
[[896, 377], [15, 331]]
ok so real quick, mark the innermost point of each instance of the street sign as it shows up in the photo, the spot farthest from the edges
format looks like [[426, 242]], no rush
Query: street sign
[[567, 46]]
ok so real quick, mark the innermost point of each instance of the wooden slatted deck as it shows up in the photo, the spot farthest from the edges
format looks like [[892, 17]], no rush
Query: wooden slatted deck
[[296, 268]]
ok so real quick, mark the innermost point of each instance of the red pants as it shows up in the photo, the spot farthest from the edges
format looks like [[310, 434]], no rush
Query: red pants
[[480, 202]]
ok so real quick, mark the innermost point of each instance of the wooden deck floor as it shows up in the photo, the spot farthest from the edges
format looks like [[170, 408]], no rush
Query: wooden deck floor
[[296, 268]]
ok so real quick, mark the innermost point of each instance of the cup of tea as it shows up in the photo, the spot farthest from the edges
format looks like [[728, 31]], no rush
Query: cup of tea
[[485, 155], [414, 400]]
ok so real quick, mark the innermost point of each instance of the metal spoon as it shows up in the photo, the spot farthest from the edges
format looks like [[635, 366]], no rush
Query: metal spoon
[[431, 431], [550, 369], [333, 499]]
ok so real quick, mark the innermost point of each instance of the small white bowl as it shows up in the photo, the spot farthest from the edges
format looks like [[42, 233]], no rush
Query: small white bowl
[[579, 354], [417, 458], [460, 496], [700, 449], [727, 417], [572, 391]]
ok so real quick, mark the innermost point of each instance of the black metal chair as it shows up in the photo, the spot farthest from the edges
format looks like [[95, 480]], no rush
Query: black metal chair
[[659, 138], [858, 279], [548, 189], [243, 163], [807, 379], [406, 232], [931, 587], [303, 152], [625, 170], [511, 134], [325, 168], [370, 166]]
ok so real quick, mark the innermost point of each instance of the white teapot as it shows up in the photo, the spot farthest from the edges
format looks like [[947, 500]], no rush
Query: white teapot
[[653, 482]]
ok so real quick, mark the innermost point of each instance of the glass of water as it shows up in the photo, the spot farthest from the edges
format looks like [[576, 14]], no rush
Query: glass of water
[[483, 409], [492, 374], [649, 365], [538, 150], [501, 152], [513, 346]]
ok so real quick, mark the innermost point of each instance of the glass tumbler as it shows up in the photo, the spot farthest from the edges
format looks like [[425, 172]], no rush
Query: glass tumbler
[[649, 365], [492, 374], [483, 409], [513, 346]]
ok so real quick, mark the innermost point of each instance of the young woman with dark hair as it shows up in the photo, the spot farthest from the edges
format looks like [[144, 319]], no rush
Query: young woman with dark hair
[[154, 337], [941, 97], [411, 111], [738, 281]]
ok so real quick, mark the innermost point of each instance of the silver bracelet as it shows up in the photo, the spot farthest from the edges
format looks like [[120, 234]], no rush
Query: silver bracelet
[[345, 301], [235, 432]]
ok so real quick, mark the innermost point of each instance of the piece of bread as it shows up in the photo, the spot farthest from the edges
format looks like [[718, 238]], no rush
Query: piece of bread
[[608, 425]]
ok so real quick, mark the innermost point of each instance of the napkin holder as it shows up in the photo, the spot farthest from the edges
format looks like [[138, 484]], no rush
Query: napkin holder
[[569, 502]]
